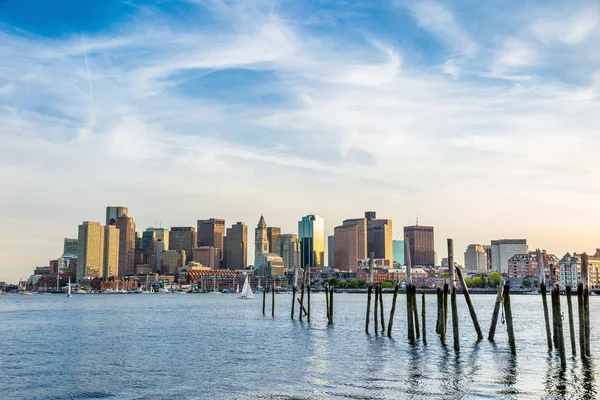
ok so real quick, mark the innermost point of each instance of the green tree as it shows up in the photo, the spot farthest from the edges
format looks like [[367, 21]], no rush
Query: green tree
[[335, 282], [469, 282], [478, 282], [387, 284], [494, 279], [446, 275], [353, 284]]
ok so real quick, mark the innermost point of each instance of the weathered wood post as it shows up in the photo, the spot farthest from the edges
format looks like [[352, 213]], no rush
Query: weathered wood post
[[331, 306], [264, 298], [463, 284], [509, 320], [453, 295], [569, 292], [444, 314], [582, 350], [273, 300], [369, 290], [413, 295], [327, 305], [586, 302], [409, 307], [423, 318], [381, 308], [376, 309], [302, 292], [559, 325], [542, 280], [308, 293], [294, 289], [438, 322], [393, 309], [499, 300]]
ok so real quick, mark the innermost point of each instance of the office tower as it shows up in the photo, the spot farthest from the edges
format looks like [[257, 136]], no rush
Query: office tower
[[379, 237], [158, 251], [111, 251], [114, 212], [488, 253], [288, 247], [330, 251], [162, 234], [398, 251], [236, 247], [311, 233], [211, 232], [346, 247], [183, 238], [476, 258], [207, 256], [272, 235], [261, 241], [173, 261], [147, 248], [421, 245], [90, 254], [503, 250], [127, 236], [71, 247]]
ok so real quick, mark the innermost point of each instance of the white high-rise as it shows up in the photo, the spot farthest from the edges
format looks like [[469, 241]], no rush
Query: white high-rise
[[503, 250], [476, 258]]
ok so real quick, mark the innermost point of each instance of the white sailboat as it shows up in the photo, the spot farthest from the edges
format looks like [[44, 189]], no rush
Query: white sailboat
[[237, 288], [69, 288], [246, 290]]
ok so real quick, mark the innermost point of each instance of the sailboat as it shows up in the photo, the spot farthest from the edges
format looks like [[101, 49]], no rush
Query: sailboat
[[215, 291], [246, 290], [69, 288], [237, 288]]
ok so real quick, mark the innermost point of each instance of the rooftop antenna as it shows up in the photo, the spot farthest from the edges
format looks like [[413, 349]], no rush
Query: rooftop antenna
[[417, 220]]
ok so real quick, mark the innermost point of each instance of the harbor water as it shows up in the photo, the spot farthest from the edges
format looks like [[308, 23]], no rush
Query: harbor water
[[207, 346]]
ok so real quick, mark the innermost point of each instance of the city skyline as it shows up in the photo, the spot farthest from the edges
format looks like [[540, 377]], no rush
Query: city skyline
[[440, 110]]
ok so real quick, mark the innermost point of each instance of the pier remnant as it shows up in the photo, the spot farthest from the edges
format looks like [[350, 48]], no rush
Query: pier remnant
[[453, 295], [509, 319], [465, 289], [569, 293], [294, 289], [542, 280], [393, 309], [369, 291], [499, 301]]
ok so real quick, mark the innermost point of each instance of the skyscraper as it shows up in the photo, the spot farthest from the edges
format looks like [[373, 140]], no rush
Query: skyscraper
[[111, 251], [90, 253], [261, 241], [236, 247], [346, 247], [379, 237], [127, 237], [288, 247], [330, 251], [311, 233], [272, 235], [114, 212], [476, 258], [421, 245], [503, 250], [183, 238], [211, 232], [398, 251], [158, 252], [71, 247], [162, 234], [207, 256]]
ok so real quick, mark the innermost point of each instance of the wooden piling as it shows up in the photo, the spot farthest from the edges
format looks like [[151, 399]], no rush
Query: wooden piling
[[586, 303], [376, 309], [569, 293], [327, 305], [546, 316], [444, 314], [294, 289], [302, 292], [497, 305], [582, 342], [415, 311], [453, 295], [393, 310], [369, 292], [273, 301], [302, 309], [438, 322], [331, 307], [381, 308], [308, 293], [559, 325], [509, 320], [463, 284], [410, 315], [555, 316], [423, 318], [264, 298]]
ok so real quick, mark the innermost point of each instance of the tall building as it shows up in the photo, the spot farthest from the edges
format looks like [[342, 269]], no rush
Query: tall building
[[90, 253], [162, 234], [379, 236], [476, 258], [71, 247], [261, 241], [114, 212], [346, 244], [272, 235], [127, 238], [311, 233], [269, 264], [173, 261], [158, 252], [147, 248], [211, 232], [183, 238], [330, 251], [398, 251], [111, 251], [288, 247], [421, 245], [236, 247], [503, 250], [207, 256]]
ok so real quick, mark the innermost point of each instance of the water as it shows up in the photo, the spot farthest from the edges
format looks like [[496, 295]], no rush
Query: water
[[202, 346]]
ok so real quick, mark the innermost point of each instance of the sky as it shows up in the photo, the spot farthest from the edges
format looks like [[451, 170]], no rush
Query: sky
[[481, 118]]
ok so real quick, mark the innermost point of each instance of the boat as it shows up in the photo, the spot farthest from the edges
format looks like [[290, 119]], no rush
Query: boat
[[69, 289], [163, 291], [215, 291], [237, 288], [246, 290]]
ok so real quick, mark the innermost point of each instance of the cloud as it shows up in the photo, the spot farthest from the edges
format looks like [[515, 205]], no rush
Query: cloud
[[571, 24]]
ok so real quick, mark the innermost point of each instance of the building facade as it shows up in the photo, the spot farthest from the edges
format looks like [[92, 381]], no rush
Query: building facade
[[526, 265], [161, 234], [173, 261], [111, 251], [330, 251], [207, 256], [183, 238], [236, 247], [269, 264], [503, 250], [211, 232], [398, 251], [311, 233], [127, 237], [379, 237], [288, 247], [114, 212], [90, 253], [261, 240], [420, 245], [476, 258], [272, 235], [70, 247], [350, 244]]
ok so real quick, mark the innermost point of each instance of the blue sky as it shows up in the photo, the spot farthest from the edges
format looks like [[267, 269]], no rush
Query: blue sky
[[482, 118]]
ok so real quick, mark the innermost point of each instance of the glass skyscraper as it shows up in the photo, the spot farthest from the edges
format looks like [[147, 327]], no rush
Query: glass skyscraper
[[311, 233], [398, 247]]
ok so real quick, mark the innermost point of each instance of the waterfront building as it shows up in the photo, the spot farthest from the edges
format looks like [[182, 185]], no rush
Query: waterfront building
[[211, 232], [379, 236], [288, 247], [311, 233], [421, 245], [111, 251], [207, 256], [350, 244], [526, 265], [503, 250], [90, 252], [330, 251], [114, 212], [261, 241], [269, 264], [272, 235], [569, 271], [476, 258], [183, 238], [173, 261], [127, 236], [398, 251], [161, 234], [236, 247]]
